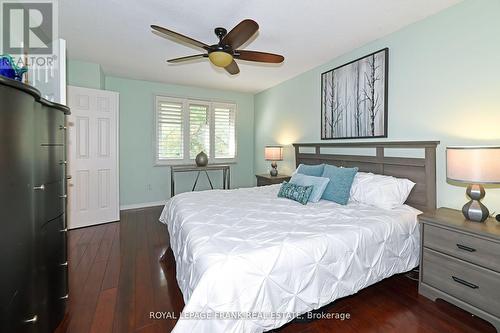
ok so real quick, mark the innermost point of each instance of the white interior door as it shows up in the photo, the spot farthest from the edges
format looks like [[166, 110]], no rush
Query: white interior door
[[93, 189]]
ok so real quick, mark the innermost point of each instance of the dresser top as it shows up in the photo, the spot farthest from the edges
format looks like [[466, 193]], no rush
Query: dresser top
[[453, 218], [4, 81]]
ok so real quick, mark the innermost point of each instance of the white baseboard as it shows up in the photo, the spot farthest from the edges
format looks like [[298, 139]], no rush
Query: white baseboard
[[143, 205]]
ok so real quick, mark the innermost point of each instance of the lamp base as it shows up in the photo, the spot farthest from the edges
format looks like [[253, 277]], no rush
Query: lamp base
[[274, 169], [474, 210]]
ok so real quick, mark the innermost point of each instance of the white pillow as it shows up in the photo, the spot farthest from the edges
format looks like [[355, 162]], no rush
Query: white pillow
[[381, 191]]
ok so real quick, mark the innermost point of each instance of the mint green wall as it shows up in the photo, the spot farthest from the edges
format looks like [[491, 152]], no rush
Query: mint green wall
[[444, 84], [140, 180], [85, 74]]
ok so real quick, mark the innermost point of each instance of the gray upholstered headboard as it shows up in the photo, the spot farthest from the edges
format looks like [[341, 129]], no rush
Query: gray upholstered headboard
[[422, 170]]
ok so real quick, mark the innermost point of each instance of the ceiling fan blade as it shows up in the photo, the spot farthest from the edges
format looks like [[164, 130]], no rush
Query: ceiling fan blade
[[258, 56], [182, 59], [165, 32], [232, 68], [240, 33]]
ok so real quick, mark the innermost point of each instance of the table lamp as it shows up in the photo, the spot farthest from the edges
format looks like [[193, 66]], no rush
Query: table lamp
[[474, 166], [273, 153]]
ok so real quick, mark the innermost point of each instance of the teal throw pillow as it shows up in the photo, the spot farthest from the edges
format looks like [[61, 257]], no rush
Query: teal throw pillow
[[295, 192], [311, 170], [339, 187]]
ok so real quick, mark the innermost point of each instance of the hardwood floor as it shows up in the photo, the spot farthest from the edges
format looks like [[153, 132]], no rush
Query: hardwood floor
[[117, 279]]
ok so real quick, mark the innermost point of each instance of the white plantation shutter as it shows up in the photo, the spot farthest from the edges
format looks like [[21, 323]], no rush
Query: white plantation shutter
[[169, 129], [186, 127], [199, 129], [224, 131]]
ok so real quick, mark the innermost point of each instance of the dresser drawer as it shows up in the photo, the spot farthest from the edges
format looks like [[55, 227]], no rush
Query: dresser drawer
[[53, 243], [476, 250], [50, 166], [50, 128], [469, 283], [49, 201]]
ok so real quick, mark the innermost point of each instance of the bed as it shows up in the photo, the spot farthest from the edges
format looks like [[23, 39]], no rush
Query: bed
[[248, 261]]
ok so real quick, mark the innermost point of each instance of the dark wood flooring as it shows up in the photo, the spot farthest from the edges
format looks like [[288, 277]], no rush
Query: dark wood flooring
[[117, 279]]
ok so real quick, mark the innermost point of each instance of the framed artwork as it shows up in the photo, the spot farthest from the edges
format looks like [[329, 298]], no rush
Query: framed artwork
[[354, 98]]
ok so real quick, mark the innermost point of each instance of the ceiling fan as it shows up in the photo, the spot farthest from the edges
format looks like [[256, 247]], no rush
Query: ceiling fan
[[226, 50]]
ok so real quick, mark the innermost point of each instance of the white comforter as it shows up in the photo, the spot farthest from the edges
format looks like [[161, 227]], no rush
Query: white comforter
[[261, 260]]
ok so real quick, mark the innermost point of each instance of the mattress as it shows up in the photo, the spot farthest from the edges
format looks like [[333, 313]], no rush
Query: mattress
[[248, 261]]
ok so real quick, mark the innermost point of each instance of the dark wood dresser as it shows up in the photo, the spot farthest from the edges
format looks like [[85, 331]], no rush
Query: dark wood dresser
[[34, 278], [267, 179], [460, 262]]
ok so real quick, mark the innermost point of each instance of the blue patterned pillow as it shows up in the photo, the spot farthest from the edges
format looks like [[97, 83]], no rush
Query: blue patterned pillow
[[295, 192]]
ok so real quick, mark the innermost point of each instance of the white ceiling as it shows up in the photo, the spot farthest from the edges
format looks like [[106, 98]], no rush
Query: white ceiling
[[116, 34]]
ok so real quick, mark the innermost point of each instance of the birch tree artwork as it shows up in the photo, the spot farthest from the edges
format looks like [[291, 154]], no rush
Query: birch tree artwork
[[354, 99]]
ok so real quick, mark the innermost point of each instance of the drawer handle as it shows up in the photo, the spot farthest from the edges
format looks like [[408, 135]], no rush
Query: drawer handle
[[63, 162], [465, 283], [64, 297], [466, 248], [64, 196], [39, 188], [64, 230], [64, 264], [31, 320], [61, 127]]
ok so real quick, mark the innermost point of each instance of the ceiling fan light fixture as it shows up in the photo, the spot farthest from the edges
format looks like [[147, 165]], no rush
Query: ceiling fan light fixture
[[226, 50], [220, 58]]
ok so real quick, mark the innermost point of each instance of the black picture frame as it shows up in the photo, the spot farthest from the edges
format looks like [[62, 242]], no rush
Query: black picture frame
[[382, 110]]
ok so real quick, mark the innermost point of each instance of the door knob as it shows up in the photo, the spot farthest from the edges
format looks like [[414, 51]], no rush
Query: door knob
[[39, 188], [32, 319]]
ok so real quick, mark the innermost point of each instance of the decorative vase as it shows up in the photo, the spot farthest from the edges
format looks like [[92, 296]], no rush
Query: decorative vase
[[9, 69], [201, 159]]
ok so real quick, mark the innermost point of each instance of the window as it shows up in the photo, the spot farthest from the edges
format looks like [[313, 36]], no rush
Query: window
[[224, 131], [185, 127], [170, 129], [199, 129]]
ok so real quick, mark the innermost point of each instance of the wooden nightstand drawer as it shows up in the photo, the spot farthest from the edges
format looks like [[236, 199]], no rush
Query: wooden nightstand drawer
[[464, 246], [266, 179], [263, 182], [460, 262], [470, 283]]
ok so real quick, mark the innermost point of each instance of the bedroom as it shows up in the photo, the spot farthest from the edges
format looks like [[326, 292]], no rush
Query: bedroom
[[119, 154]]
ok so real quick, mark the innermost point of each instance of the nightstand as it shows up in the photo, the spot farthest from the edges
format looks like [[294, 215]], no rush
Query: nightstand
[[460, 262], [267, 179]]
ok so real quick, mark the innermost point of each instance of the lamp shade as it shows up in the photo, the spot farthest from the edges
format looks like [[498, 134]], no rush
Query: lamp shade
[[473, 165], [273, 153]]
